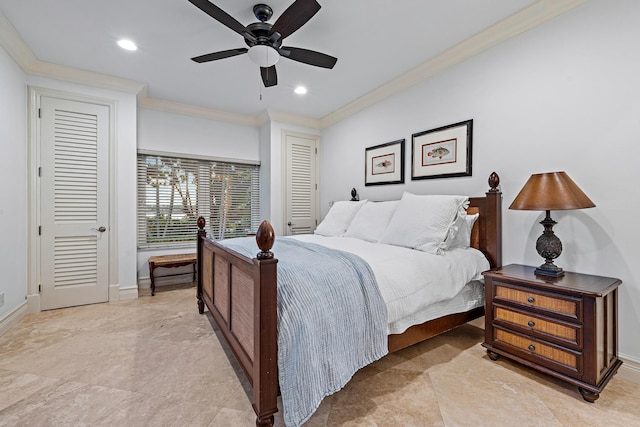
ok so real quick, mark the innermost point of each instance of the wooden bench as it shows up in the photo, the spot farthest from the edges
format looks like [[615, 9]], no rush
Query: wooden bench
[[170, 261]]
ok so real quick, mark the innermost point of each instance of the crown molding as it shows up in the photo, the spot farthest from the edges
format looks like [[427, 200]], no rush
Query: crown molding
[[89, 78], [293, 119], [192, 110], [15, 46], [517, 23]]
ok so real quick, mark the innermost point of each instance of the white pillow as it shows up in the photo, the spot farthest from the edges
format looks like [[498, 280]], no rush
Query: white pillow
[[371, 220], [424, 222], [338, 218], [462, 238]]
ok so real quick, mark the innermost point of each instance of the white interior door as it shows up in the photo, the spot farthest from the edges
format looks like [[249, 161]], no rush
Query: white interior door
[[74, 203], [301, 184]]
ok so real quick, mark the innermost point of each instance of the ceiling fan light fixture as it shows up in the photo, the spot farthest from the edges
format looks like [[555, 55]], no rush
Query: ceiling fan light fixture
[[263, 55]]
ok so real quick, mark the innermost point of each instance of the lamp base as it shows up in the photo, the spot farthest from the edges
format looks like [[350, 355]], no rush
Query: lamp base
[[551, 270], [549, 247]]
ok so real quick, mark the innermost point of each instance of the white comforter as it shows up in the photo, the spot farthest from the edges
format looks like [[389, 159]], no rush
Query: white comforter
[[410, 280]]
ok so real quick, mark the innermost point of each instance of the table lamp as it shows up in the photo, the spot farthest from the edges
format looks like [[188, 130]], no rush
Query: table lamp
[[549, 192]]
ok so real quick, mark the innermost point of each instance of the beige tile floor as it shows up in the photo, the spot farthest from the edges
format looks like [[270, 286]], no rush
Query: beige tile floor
[[155, 361]]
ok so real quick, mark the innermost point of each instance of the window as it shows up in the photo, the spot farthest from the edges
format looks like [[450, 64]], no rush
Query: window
[[174, 191]]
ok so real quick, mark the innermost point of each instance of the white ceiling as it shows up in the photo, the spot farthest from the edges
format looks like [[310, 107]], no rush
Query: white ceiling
[[375, 41]]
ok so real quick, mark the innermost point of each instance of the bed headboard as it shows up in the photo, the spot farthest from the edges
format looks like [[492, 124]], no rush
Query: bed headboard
[[486, 235]]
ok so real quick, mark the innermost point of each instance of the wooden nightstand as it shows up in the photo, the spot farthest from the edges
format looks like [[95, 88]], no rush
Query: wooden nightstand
[[566, 327]]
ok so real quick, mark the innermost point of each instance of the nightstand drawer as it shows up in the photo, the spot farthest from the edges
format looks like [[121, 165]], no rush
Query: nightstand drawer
[[566, 306], [563, 333], [542, 353]]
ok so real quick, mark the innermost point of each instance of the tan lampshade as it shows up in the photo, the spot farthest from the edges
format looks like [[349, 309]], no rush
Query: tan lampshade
[[551, 191]]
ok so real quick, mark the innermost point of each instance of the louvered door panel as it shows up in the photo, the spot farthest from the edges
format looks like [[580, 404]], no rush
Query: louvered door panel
[[301, 191], [76, 172], [75, 261], [74, 197], [301, 182]]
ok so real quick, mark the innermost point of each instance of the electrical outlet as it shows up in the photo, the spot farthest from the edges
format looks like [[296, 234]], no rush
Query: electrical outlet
[[1, 299]]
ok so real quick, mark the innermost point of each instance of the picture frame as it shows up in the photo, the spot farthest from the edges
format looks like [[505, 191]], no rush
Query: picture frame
[[384, 163], [442, 152]]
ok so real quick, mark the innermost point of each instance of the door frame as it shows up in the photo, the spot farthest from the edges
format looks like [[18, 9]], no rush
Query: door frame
[[34, 145], [285, 174]]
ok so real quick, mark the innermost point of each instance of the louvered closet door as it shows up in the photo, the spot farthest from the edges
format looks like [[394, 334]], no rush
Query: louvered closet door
[[301, 184], [74, 203]]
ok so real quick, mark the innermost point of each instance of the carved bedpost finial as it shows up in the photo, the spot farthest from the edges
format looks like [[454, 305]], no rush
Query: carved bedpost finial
[[494, 182], [201, 223], [265, 238], [354, 195]]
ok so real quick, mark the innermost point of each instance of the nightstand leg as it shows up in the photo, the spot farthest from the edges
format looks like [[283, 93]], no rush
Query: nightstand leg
[[493, 356], [589, 396]]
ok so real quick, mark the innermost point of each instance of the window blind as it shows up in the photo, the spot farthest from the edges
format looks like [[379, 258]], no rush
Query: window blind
[[174, 191]]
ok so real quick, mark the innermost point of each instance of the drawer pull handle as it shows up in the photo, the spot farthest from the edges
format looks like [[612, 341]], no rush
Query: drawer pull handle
[[532, 347], [531, 299], [531, 323]]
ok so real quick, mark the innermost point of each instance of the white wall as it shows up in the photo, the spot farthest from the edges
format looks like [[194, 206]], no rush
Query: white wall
[[563, 96], [265, 170], [181, 134], [13, 175], [178, 133]]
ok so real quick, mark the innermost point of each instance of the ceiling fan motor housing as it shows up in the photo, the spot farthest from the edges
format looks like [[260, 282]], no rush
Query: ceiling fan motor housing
[[261, 32]]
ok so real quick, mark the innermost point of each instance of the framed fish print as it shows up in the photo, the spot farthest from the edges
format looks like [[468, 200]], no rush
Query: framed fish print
[[442, 152], [384, 164]]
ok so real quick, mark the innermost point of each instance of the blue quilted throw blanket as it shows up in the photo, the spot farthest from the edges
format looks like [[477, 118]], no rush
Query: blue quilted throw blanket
[[332, 321]]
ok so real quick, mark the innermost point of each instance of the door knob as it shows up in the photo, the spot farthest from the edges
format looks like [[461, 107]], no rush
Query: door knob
[[289, 224], [101, 229]]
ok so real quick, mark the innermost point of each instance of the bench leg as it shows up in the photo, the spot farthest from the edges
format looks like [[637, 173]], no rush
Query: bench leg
[[153, 283]]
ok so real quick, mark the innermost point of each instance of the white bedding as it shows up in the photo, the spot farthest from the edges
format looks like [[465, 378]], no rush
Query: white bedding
[[415, 284]]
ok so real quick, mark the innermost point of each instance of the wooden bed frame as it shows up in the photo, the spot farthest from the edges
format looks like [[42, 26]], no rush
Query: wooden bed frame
[[241, 295]]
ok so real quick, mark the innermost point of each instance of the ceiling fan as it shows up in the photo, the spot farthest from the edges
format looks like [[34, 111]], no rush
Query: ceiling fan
[[264, 40]]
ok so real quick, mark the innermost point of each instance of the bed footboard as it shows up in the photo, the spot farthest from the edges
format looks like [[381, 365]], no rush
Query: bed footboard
[[241, 295]]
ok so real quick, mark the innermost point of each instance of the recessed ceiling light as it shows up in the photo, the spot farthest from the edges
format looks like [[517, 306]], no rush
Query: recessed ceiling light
[[127, 44], [300, 90]]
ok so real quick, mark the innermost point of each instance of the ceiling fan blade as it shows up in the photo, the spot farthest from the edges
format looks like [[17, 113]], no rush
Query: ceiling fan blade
[[219, 15], [220, 55], [296, 15], [307, 56], [269, 76]]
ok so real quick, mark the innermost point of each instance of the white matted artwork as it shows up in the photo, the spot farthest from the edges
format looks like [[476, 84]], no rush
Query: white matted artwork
[[442, 152], [384, 164]]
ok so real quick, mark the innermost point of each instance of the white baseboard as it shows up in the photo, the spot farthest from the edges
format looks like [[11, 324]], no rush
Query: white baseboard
[[630, 370], [130, 293], [13, 317], [33, 303]]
